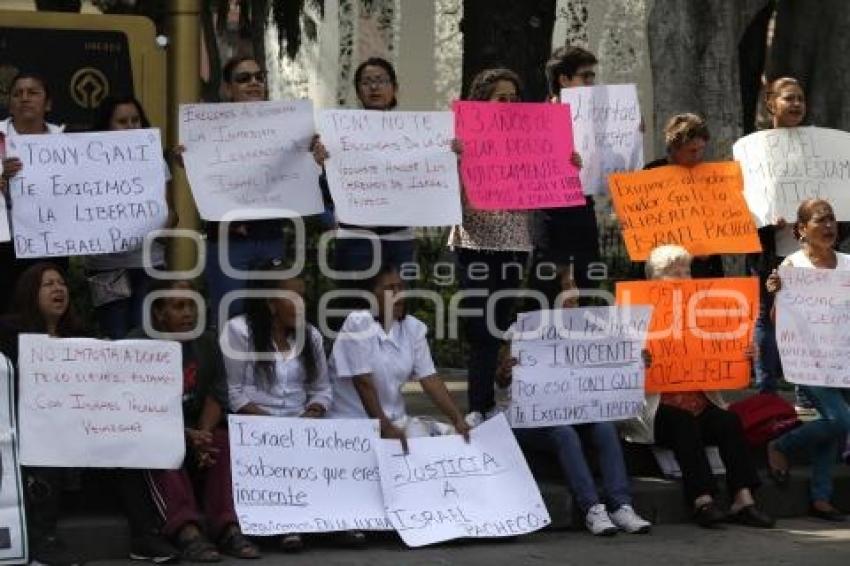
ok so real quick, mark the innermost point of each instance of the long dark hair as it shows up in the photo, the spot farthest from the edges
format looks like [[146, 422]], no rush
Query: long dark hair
[[104, 112], [26, 316], [260, 323]]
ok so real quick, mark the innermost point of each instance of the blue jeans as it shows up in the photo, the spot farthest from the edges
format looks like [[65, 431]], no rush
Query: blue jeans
[[767, 366], [356, 254], [118, 318], [244, 254], [565, 442], [822, 437]]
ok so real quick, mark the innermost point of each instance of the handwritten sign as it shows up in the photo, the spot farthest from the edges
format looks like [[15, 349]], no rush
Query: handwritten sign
[[785, 166], [580, 365], [517, 156], [305, 475], [12, 521], [392, 168], [700, 332], [699, 208], [251, 159], [813, 326], [86, 194], [100, 404], [606, 132], [445, 488]]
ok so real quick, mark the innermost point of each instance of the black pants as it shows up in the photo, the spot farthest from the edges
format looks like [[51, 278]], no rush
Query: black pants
[[688, 435], [570, 238], [503, 271], [43, 489]]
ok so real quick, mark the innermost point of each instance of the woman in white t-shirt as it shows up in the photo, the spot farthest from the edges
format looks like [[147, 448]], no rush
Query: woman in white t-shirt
[[29, 103], [817, 231], [118, 282], [375, 354], [275, 361]]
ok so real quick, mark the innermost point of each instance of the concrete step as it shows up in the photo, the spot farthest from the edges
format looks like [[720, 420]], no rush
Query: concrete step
[[106, 535]]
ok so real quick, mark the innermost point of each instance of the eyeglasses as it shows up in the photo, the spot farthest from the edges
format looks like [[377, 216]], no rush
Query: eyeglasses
[[245, 77], [587, 75], [377, 82]]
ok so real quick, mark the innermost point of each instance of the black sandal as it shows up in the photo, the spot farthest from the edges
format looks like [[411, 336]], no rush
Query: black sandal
[[237, 545], [198, 549]]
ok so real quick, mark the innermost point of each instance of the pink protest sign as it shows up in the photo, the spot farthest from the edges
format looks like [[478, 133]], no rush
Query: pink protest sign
[[516, 156]]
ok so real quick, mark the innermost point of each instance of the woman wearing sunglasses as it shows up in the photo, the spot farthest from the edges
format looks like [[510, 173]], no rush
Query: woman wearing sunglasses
[[249, 243]]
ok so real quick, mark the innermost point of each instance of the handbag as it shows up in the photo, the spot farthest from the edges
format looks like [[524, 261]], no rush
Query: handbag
[[109, 286], [765, 416]]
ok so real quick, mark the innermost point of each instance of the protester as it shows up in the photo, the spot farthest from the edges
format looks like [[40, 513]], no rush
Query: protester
[[29, 104], [686, 138], [275, 360], [42, 305], [687, 422], [377, 88], [601, 518], [499, 240], [376, 352], [118, 281], [206, 469], [249, 243], [567, 236], [786, 103], [817, 230]]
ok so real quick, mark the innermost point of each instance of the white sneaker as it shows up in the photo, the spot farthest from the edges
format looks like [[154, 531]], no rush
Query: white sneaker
[[627, 520], [598, 522]]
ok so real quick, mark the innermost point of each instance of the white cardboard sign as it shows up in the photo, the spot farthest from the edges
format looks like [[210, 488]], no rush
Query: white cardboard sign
[[251, 159], [100, 404], [813, 326], [392, 168], [445, 488], [578, 365], [606, 132], [783, 167], [86, 194], [294, 475]]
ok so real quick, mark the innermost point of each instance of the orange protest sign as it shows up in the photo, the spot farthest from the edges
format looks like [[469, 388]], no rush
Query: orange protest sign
[[700, 208], [700, 332]]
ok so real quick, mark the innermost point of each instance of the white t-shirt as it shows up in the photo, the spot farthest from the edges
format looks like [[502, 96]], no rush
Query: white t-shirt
[[392, 359], [799, 259], [7, 128], [286, 393]]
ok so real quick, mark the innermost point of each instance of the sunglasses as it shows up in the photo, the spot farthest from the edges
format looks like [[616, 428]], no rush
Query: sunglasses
[[245, 77]]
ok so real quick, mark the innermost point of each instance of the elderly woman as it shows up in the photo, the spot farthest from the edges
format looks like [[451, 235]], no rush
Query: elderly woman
[[686, 137], [687, 422], [816, 229]]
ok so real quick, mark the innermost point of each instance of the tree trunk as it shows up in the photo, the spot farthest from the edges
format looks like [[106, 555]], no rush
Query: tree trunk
[[512, 34], [811, 44], [694, 60]]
